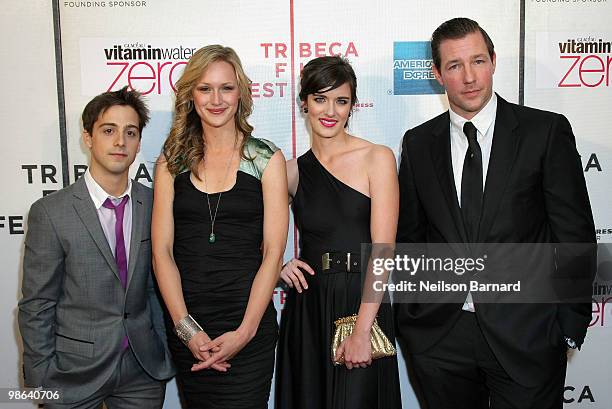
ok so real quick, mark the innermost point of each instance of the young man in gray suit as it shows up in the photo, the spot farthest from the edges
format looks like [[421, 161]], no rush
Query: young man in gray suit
[[90, 320]]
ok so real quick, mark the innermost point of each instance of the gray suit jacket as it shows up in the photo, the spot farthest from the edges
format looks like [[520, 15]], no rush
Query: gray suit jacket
[[74, 311]]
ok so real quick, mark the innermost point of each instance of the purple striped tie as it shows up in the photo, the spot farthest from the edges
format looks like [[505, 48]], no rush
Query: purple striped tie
[[120, 255]]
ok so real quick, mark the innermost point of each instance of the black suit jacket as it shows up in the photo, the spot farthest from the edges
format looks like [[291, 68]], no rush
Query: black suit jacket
[[535, 192]]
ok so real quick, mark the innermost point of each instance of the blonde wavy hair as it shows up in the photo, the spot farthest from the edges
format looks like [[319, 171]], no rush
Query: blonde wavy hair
[[184, 147]]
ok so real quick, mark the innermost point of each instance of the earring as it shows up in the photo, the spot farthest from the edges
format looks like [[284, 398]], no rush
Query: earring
[[190, 105], [350, 113], [305, 110]]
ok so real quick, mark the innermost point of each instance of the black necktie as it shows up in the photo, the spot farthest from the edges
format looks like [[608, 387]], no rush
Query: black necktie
[[471, 184]]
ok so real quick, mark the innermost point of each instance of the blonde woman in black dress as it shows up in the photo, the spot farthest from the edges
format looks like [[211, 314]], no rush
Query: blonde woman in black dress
[[219, 230]]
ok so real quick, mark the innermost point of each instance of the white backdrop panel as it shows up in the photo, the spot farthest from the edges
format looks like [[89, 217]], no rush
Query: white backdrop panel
[[31, 147], [567, 70]]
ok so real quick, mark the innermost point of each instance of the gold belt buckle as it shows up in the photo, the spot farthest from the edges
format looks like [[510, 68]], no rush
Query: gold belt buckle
[[325, 261]]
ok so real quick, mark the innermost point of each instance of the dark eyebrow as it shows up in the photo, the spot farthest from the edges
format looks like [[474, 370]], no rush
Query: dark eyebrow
[[456, 60], [316, 94], [116, 126]]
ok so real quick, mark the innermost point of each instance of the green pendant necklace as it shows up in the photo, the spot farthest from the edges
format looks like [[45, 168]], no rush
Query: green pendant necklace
[[212, 238]]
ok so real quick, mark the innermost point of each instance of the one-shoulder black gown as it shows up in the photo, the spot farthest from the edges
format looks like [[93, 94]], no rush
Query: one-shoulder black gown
[[330, 216]]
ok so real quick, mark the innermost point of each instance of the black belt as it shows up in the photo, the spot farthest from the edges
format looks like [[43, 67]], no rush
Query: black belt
[[337, 261]]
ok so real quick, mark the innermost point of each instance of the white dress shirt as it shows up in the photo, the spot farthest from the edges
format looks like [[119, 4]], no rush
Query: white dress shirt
[[484, 121], [107, 216]]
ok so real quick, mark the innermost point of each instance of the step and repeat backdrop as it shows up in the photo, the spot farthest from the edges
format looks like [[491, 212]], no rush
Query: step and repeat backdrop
[[568, 60], [563, 65]]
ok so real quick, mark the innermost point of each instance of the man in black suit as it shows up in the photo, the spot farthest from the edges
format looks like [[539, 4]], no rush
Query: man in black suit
[[488, 171]]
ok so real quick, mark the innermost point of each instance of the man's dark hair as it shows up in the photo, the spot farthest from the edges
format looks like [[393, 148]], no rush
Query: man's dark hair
[[454, 29], [124, 97], [326, 73]]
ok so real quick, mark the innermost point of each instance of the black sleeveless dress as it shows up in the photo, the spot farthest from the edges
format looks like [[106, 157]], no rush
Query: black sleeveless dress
[[330, 216], [217, 280]]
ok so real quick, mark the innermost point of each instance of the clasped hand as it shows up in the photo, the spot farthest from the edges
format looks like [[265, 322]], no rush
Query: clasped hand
[[218, 352], [200, 339], [355, 350]]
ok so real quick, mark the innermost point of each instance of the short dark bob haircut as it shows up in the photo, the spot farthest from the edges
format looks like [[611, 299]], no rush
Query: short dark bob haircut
[[123, 97], [326, 73]]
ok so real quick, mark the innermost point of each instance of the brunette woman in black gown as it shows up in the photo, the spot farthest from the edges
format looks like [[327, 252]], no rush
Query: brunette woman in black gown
[[219, 230], [345, 193]]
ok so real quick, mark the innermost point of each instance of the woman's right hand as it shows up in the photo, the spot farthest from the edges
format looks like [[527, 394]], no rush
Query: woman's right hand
[[199, 339], [293, 276]]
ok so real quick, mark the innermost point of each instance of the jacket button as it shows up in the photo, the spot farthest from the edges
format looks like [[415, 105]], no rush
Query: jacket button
[[125, 315]]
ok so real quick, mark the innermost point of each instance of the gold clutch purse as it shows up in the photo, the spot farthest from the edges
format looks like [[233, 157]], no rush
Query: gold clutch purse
[[381, 346]]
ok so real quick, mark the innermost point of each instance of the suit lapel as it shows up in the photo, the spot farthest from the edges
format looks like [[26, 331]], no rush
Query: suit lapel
[[137, 225], [441, 156], [503, 153], [89, 217]]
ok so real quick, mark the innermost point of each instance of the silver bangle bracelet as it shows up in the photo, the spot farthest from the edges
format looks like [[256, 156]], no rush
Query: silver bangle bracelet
[[186, 329]]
